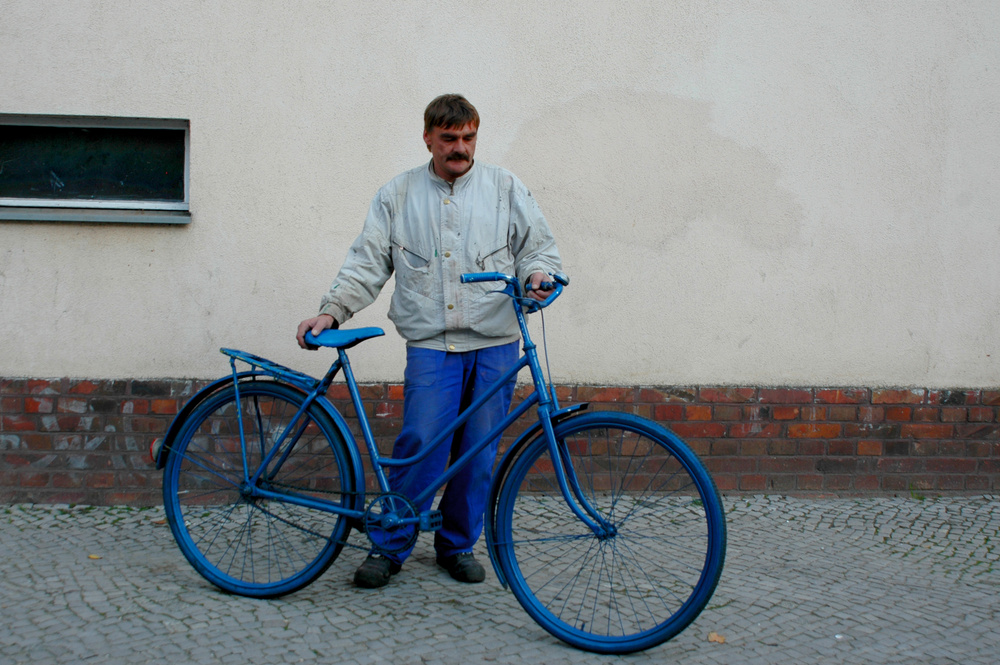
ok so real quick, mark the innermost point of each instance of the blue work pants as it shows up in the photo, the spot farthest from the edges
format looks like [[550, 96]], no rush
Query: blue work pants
[[437, 387]]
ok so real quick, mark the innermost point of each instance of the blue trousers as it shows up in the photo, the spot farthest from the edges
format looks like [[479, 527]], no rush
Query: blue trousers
[[437, 386]]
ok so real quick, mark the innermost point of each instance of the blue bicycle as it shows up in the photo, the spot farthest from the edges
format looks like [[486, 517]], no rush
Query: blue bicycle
[[605, 526]]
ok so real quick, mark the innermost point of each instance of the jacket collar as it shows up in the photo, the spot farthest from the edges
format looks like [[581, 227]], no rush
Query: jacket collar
[[459, 183]]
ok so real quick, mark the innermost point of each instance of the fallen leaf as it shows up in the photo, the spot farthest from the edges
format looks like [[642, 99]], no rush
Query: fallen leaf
[[93, 556], [715, 637], [159, 521]]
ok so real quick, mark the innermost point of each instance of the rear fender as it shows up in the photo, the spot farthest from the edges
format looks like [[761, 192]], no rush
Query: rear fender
[[350, 446], [160, 448]]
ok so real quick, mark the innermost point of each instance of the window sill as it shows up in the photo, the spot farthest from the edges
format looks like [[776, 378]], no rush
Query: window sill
[[99, 215]]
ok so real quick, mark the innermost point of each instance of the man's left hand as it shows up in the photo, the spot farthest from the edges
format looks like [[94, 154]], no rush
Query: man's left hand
[[535, 282]]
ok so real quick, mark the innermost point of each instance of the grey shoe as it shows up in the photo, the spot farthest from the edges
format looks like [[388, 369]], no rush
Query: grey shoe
[[375, 572], [463, 567]]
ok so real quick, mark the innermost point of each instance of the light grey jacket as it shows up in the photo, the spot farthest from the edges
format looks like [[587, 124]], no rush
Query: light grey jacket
[[429, 232]]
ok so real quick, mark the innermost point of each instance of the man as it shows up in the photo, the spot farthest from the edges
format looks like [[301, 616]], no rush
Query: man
[[428, 226]]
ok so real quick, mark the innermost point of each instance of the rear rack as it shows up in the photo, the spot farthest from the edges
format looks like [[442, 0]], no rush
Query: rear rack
[[274, 369]]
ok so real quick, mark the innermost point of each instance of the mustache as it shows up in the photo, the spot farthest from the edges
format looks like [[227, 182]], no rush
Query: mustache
[[457, 157]]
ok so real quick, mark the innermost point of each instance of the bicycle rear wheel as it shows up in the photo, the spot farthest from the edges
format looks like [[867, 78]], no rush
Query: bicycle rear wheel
[[243, 543], [645, 579]]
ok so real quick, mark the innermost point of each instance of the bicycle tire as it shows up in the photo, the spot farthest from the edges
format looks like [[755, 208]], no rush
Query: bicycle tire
[[641, 585], [246, 545]]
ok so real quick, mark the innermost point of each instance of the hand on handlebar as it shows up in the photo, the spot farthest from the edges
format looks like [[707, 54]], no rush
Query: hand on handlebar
[[538, 286]]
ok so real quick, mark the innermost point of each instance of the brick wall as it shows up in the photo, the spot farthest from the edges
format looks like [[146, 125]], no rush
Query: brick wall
[[79, 441]]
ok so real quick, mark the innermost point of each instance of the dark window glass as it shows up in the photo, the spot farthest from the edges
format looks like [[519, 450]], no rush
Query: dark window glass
[[96, 163]]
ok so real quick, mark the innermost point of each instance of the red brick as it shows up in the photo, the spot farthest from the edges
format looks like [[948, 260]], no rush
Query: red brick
[[814, 430], [739, 465], [977, 483], [837, 483], [70, 405], [754, 429], [981, 414], [843, 413], [668, 412], [728, 413], [891, 396], [727, 395], [33, 479], [787, 465], [810, 447], [991, 397], [163, 407], [726, 482], [338, 391], [753, 448], [952, 448], [866, 483], [781, 483], [785, 412], [82, 387], [813, 413], [898, 413], [953, 397], [781, 447], [753, 483], [869, 448], [389, 410], [696, 430], [950, 465], [842, 447], [951, 482], [697, 413], [605, 394], [835, 396], [101, 479], [926, 431], [673, 395], [37, 405], [871, 414], [954, 414], [396, 392], [18, 423], [926, 414], [809, 482], [724, 447], [785, 396], [43, 387], [924, 447]]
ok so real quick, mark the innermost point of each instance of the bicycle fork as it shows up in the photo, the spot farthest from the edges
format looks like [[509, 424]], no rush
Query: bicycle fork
[[569, 484]]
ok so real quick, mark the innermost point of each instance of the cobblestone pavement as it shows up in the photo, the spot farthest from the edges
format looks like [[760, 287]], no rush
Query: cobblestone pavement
[[872, 580]]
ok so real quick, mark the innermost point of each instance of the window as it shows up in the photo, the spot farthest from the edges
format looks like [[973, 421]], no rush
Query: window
[[69, 168]]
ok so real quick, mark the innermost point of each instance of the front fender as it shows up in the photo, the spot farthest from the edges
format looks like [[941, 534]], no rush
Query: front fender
[[501, 473]]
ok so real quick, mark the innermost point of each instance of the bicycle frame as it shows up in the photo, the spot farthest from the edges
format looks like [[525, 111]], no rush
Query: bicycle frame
[[542, 396]]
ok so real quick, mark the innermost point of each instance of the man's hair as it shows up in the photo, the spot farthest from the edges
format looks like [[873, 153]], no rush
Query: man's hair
[[450, 111]]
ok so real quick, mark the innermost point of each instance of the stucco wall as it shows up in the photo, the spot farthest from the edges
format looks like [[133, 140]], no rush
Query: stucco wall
[[779, 193]]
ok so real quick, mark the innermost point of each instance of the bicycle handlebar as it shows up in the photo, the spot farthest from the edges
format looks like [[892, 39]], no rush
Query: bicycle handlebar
[[516, 290]]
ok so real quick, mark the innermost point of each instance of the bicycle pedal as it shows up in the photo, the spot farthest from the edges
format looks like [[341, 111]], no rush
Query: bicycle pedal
[[430, 520]]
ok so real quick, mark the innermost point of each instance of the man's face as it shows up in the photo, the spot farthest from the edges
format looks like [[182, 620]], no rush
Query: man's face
[[452, 150]]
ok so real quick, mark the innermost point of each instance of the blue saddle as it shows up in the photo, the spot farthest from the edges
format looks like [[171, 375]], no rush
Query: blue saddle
[[343, 339]]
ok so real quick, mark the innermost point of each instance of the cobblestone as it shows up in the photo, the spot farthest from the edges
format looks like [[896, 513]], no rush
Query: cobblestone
[[887, 580]]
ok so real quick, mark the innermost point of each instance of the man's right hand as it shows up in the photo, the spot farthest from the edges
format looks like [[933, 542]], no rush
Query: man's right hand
[[315, 325]]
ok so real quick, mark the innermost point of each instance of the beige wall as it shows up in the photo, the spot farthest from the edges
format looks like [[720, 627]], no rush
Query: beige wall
[[782, 193]]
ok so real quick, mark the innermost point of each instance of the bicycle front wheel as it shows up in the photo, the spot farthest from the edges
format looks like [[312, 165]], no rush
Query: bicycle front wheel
[[654, 566], [239, 541]]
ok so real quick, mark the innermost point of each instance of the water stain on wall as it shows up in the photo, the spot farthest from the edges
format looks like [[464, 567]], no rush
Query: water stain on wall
[[642, 167]]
